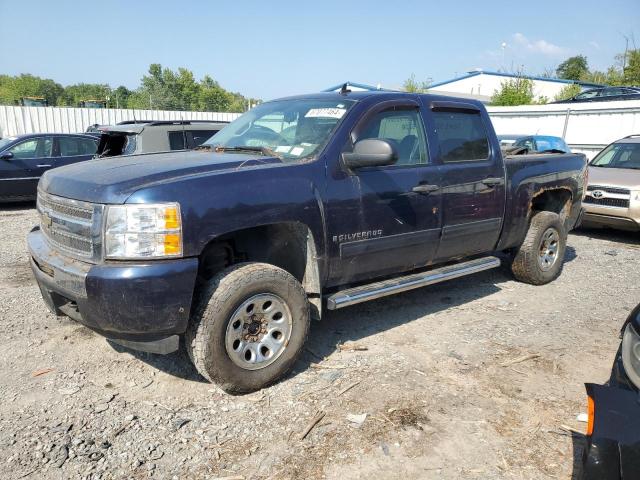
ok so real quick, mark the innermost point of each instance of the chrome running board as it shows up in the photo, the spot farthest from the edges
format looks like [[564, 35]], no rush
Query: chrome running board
[[372, 291]]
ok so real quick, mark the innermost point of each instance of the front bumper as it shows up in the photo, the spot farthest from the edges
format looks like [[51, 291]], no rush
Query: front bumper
[[614, 217], [613, 449], [136, 304]]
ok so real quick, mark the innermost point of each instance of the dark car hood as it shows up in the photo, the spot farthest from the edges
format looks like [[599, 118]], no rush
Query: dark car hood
[[114, 179]]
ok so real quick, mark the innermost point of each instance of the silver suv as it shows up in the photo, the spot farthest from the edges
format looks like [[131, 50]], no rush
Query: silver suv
[[128, 138]]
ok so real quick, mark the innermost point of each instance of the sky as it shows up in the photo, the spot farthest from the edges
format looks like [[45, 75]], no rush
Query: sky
[[268, 49]]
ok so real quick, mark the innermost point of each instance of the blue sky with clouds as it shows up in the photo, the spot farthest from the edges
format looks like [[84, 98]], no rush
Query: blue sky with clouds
[[273, 48]]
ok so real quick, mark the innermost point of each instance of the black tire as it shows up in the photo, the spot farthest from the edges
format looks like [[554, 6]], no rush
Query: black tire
[[527, 266], [219, 300]]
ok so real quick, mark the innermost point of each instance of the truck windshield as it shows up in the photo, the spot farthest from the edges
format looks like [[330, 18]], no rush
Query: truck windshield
[[619, 155], [289, 129]]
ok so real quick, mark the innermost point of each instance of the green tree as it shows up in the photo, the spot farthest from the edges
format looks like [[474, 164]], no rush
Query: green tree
[[568, 91], [119, 98], [412, 85], [74, 94], [573, 68], [26, 85], [516, 91], [212, 97], [631, 71]]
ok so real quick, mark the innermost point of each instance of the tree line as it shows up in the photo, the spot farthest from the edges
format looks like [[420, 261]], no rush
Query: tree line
[[160, 89]]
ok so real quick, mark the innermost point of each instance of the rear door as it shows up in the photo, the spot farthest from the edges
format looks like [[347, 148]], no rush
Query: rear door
[[71, 149], [472, 182], [31, 158]]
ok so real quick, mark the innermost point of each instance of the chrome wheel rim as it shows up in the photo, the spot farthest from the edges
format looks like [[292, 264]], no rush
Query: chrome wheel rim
[[549, 246], [258, 331]]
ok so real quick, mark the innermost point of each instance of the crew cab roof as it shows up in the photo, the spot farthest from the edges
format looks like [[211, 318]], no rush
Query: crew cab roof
[[386, 94]]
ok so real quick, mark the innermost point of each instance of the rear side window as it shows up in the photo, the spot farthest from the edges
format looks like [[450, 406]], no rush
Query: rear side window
[[177, 140], [195, 138], [461, 136], [73, 146]]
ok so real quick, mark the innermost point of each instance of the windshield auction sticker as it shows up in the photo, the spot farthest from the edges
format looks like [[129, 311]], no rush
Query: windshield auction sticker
[[325, 113]]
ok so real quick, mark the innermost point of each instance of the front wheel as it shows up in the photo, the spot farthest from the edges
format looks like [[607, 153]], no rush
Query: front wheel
[[249, 328], [540, 258]]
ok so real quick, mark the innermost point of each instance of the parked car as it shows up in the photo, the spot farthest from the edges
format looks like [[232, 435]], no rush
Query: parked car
[[604, 94], [128, 138], [541, 144], [509, 139], [613, 430], [613, 194], [24, 158], [302, 204]]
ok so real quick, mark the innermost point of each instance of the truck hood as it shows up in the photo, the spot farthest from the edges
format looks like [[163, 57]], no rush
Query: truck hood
[[615, 177], [114, 179]]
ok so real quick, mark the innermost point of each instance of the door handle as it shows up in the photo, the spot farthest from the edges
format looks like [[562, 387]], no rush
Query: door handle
[[425, 189], [43, 166], [492, 182]]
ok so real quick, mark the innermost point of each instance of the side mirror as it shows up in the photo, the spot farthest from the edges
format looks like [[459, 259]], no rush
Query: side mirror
[[6, 156], [371, 152]]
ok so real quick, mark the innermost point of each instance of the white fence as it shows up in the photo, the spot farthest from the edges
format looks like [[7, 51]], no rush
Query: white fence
[[19, 120], [586, 127]]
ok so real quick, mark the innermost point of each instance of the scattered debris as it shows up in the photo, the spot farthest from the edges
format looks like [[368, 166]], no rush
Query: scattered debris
[[524, 358], [347, 388], [357, 419], [582, 417], [178, 423], [41, 371], [351, 347], [331, 367], [314, 421], [101, 407], [71, 390]]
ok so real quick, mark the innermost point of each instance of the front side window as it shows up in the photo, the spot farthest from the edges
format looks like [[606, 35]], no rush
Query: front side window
[[34, 148], [291, 130], [619, 155], [403, 129], [461, 136]]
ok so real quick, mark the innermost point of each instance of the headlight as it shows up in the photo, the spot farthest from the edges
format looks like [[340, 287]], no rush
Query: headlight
[[143, 231], [631, 354]]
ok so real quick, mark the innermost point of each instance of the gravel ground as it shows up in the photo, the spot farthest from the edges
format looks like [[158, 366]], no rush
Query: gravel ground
[[411, 386]]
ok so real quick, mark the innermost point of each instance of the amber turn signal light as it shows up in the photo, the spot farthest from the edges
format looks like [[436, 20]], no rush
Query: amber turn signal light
[[591, 410]]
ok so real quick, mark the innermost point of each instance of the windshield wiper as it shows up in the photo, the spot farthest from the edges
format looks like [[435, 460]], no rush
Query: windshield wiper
[[265, 151]]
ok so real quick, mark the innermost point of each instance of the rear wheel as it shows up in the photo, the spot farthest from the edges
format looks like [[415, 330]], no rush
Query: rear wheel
[[249, 328], [540, 258]]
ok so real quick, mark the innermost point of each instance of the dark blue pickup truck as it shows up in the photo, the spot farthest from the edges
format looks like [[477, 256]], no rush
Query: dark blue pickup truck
[[302, 204]]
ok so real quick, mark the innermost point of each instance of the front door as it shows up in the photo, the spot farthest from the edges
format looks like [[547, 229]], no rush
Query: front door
[[472, 181], [393, 222], [21, 172]]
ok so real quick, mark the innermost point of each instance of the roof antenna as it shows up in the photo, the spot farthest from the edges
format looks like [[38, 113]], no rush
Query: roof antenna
[[345, 89]]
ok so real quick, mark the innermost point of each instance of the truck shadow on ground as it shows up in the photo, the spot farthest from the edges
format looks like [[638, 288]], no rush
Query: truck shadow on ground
[[361, 321]]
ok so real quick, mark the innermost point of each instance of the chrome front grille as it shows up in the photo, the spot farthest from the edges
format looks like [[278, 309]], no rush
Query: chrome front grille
[[71, 226], [616, 190]]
